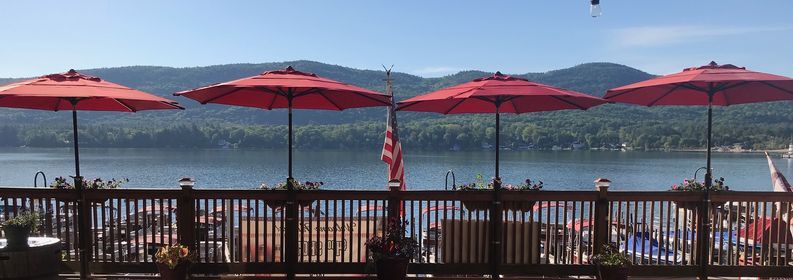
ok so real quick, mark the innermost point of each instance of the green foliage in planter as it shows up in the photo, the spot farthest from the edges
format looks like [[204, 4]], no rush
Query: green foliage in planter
[[92, 184], [694, 186], [480, 184], [610, 256], [307, 185], [23, 220]]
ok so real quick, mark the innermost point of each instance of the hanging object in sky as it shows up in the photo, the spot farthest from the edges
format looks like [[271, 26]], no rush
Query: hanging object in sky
[[594, 9]]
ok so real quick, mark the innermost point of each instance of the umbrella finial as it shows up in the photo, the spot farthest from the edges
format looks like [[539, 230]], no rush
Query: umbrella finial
[[288, 70], [498, 76]]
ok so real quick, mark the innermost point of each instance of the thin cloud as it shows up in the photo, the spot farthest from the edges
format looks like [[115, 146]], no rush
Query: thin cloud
[[436, 71], [652, 36]]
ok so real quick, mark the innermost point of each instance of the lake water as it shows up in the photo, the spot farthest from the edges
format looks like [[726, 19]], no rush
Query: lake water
[[221, 168]]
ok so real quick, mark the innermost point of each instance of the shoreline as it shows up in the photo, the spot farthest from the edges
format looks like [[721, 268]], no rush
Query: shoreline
[[686, 150], [702, 150]]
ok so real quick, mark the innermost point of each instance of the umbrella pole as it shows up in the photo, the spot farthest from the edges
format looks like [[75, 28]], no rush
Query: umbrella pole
[[496, 209], [290, 137], [76, 142], [708, 175], [291, 207], [81, 208], [498, 131], [704, 211]]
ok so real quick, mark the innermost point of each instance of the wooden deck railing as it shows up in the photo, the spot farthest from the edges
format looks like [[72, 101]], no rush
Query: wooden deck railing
[[540, 232]]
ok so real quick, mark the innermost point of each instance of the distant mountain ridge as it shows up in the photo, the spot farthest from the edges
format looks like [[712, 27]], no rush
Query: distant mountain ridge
[[765, 125], [590, 78]]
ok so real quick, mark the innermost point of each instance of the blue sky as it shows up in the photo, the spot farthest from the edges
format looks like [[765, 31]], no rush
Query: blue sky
[[426, 38]]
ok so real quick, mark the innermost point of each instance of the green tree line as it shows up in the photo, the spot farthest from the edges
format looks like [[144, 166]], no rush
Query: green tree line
[[465, 133]]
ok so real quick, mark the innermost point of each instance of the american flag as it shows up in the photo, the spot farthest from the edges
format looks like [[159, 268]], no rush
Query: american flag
[[778, 181], [392, 148]]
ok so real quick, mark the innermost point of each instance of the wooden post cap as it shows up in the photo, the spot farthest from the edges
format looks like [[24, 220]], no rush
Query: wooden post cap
[[186, 182], [602, 184]]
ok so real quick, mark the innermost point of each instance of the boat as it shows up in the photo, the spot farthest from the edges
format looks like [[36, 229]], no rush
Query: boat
[[642, 248], [789, 153]]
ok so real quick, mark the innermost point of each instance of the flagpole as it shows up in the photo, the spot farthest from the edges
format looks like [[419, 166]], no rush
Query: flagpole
[[396, 183], [394, 154], [390, 92]]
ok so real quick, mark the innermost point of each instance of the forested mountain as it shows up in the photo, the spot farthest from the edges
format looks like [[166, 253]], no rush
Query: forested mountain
[[757, 125]]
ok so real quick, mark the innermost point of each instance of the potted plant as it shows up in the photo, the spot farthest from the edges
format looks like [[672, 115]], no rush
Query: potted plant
[[695, 186], [479, 184], [392, 252], [611, 264], [92, 184], [18, 229], [174, 261], [282, 186]]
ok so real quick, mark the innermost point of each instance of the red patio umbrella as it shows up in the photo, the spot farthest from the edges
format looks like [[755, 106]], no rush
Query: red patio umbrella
[[712, 84], [290, 89], [75, 91], [499, 94]]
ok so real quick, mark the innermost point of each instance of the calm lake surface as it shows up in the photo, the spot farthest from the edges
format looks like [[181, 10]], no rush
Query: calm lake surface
[[247, 169]]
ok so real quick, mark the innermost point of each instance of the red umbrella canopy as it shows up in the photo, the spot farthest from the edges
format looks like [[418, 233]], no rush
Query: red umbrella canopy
[[55, 92], [514, 95], [728, 83], [272, 89]]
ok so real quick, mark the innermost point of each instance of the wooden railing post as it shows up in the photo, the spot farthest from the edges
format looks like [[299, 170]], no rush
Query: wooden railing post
[[496, 229], [601, 228], [185, 214], [291, 246], [703, 235], [394, 202]]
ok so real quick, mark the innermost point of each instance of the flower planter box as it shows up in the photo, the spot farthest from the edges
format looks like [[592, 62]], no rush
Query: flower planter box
[[16, 237], [523, 206], [177, 273], [692, 205], [612, 272], [392, 269]]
